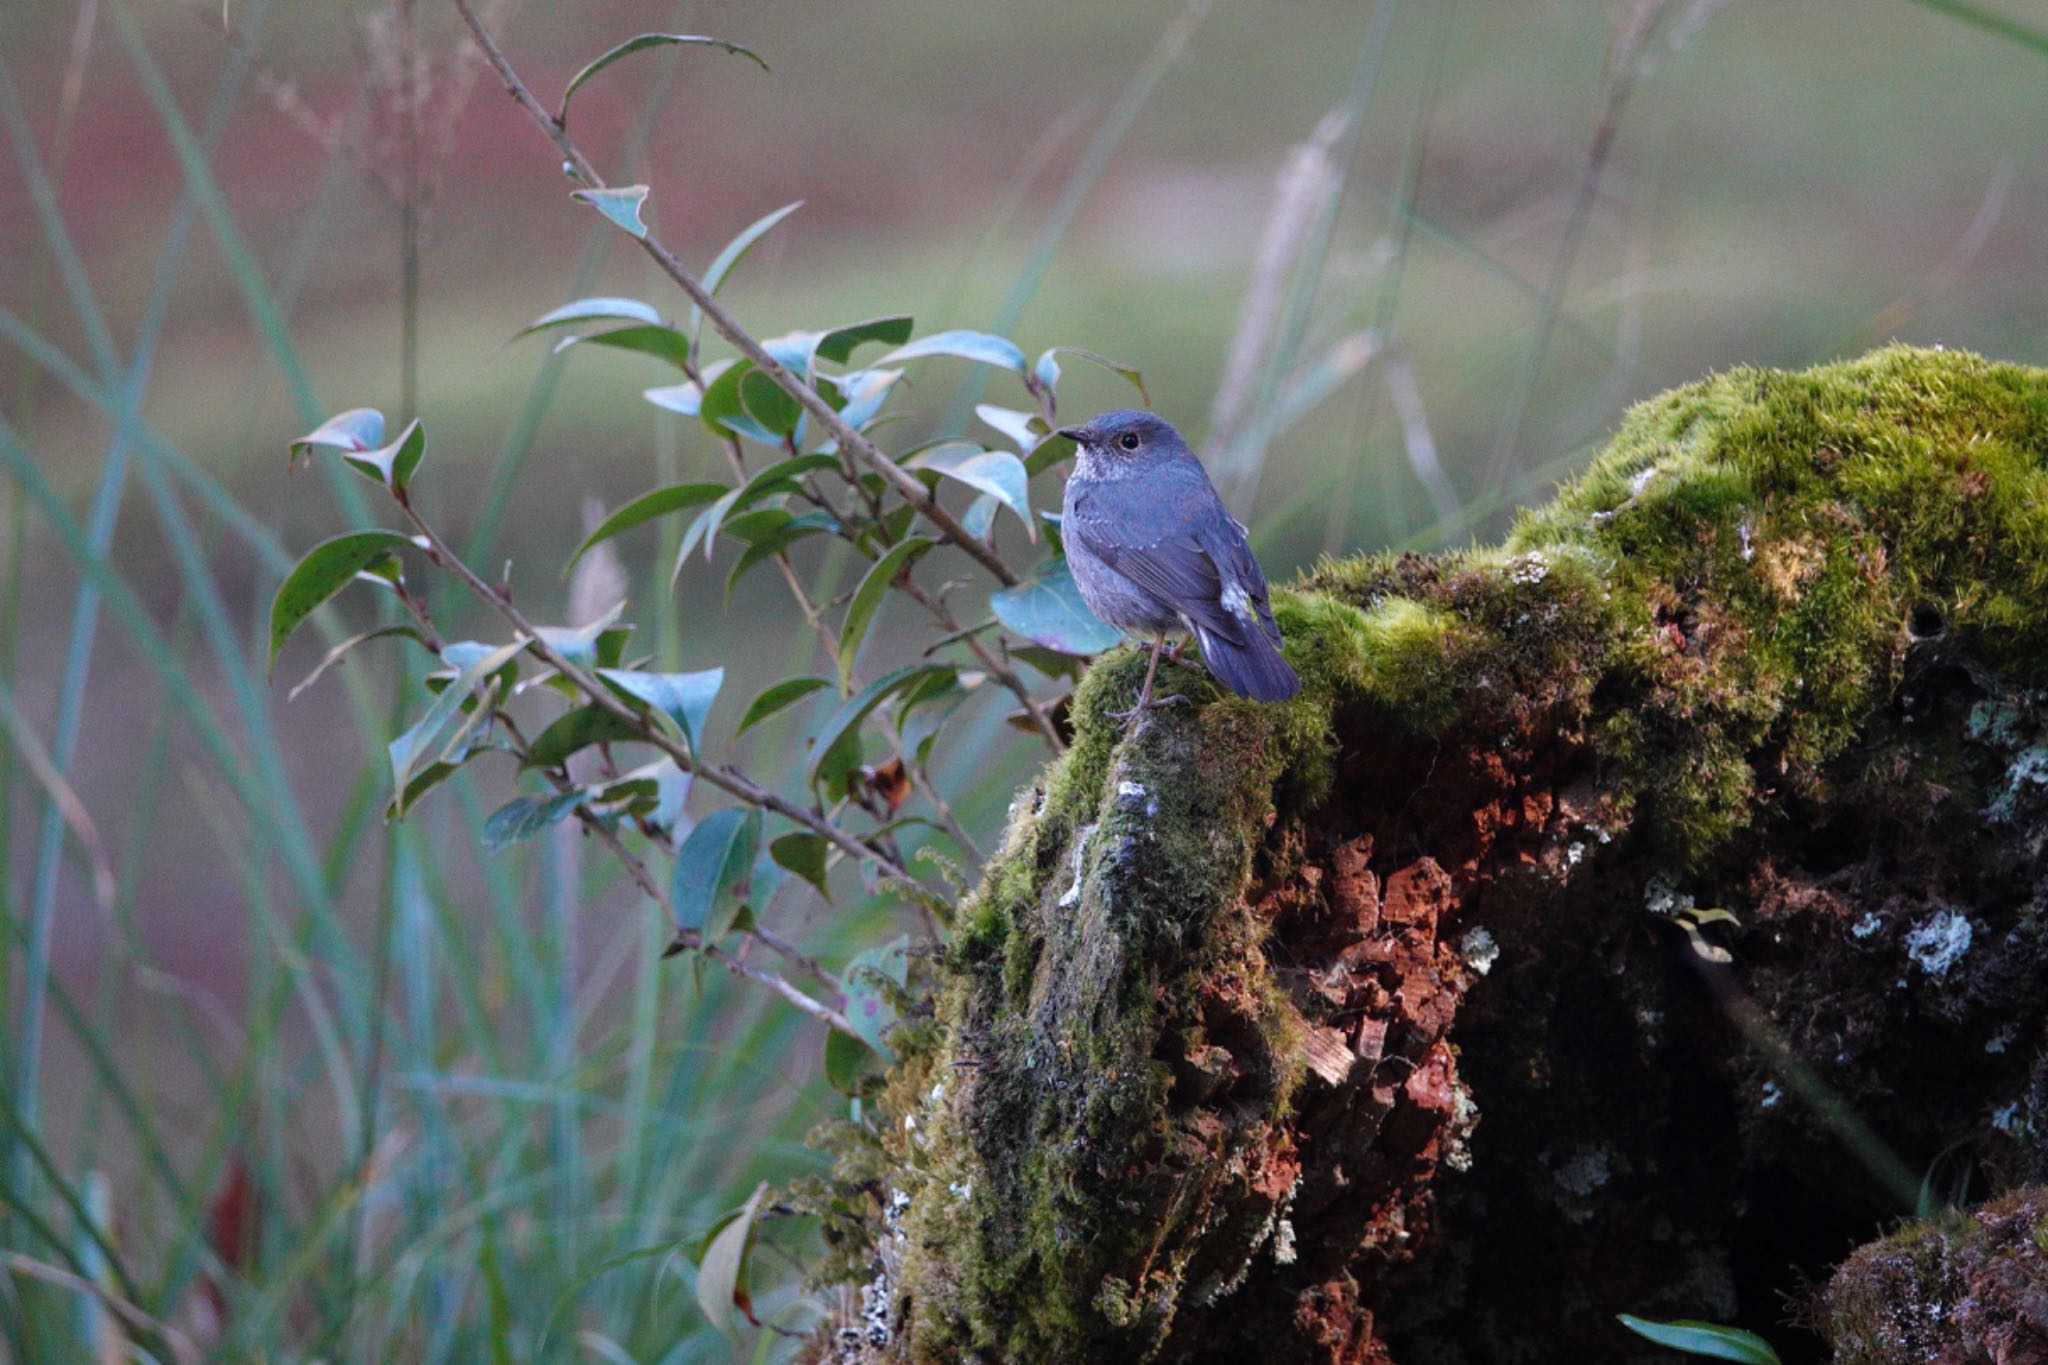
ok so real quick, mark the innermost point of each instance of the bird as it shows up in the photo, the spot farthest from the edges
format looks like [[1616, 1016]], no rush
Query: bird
[[1153, 551]]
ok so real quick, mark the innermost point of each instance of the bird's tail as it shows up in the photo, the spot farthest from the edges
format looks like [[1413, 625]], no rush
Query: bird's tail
[[1253, 669]]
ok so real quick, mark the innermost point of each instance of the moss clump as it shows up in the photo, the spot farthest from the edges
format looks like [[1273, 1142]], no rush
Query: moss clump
[[1966, 1288], [1718, 608]]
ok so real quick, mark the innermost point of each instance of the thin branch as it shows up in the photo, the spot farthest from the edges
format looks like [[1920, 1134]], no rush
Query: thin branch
[[997, 669], [727, 777], [810, 1005], [905, 483]]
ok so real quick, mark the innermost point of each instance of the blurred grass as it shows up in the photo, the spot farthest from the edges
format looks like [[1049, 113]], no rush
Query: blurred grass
[[216, 1104]]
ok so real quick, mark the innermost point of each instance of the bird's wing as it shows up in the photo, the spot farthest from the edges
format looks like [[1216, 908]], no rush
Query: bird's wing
[[1190, 573], [1237, 564]]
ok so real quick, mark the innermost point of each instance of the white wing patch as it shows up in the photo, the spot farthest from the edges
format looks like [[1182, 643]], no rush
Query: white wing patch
[[1236, 601]]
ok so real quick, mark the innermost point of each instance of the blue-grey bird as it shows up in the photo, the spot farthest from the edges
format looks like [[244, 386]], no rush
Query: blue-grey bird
[[1152, 550]]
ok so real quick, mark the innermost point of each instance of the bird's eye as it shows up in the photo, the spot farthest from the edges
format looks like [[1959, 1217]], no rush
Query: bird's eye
[[1129, 440]]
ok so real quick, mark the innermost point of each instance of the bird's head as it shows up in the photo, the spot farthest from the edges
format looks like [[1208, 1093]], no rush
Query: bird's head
[[1117, 443]]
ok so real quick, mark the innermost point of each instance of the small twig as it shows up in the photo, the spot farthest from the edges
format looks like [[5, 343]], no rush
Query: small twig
[[905, 483], [810, 1005], [946, 816]]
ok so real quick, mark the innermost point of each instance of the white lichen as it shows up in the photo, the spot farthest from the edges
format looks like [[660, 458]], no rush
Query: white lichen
[[1869, 924], [1073, 894], [1479, 949], [1660, 897], [1528, 568], [1771, 1094], [1938, 943]]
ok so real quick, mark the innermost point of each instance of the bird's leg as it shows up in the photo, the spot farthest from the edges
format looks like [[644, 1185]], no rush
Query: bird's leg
[[1145, 702]]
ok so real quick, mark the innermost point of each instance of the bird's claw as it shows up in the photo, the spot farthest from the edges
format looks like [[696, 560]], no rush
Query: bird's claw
[[1137, 713]]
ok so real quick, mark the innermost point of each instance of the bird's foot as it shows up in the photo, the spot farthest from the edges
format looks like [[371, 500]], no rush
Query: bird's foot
[[1136, 715]]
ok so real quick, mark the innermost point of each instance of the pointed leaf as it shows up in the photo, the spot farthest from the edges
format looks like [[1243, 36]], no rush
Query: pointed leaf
[[1025, 429], [736, 250], [620, 204], [980, 516], [675, 497], [721, 1275], [641, 43], [989, 350], [424, 744], [817, 521], [864, 392], [995, 472], [356, 429], [392, 465], [663, 343], [592, 310], [1046, 608], [1131, 373], [685, 698], [804, 854], [1703, 1339], [776, 697], [708, 883], [325, 570], [1047, 370], [847, 719], [333, 656], [525, 816], [577, 730], [767, 404], [867, 598], [838, 344]]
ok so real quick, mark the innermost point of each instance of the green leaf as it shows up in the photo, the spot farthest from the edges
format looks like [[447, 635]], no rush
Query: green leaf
[[423, 745], [980, 517], [356, 429], [1047, 370], [724, 412], [847, 719], [804, 854], [392, 465], [675, 497], [1047, 453], [525, 816], [581, 645], [989, 350], [685, 698], [838, 344], [326, 569], [708, 883], [663, 343], [811, 523], [621, 204], [736, 250], [861, 395], [577, 730], [776, 697], [767, 404], [333, 656], [1046, 608], [925, 711], [642, 42], [722, 1272], [592, 310], [1703, 1339], [867, 980], [1025, 429], [1131, 373], [995, 472], [867, 598]]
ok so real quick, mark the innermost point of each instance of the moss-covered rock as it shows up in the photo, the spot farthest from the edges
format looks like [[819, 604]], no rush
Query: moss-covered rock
[[1228, 1003]]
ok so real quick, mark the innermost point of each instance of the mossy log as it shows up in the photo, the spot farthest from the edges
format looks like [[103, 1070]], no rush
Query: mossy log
[[1626, 918]]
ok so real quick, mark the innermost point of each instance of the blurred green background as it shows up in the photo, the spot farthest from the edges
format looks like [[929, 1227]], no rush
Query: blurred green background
[[333, 1088]]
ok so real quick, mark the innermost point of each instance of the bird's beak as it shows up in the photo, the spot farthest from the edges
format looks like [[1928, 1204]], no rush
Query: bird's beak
[[1075, 434]]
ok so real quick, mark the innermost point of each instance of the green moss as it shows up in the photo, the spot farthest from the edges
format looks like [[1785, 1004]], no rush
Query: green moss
[[1718, 606]]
